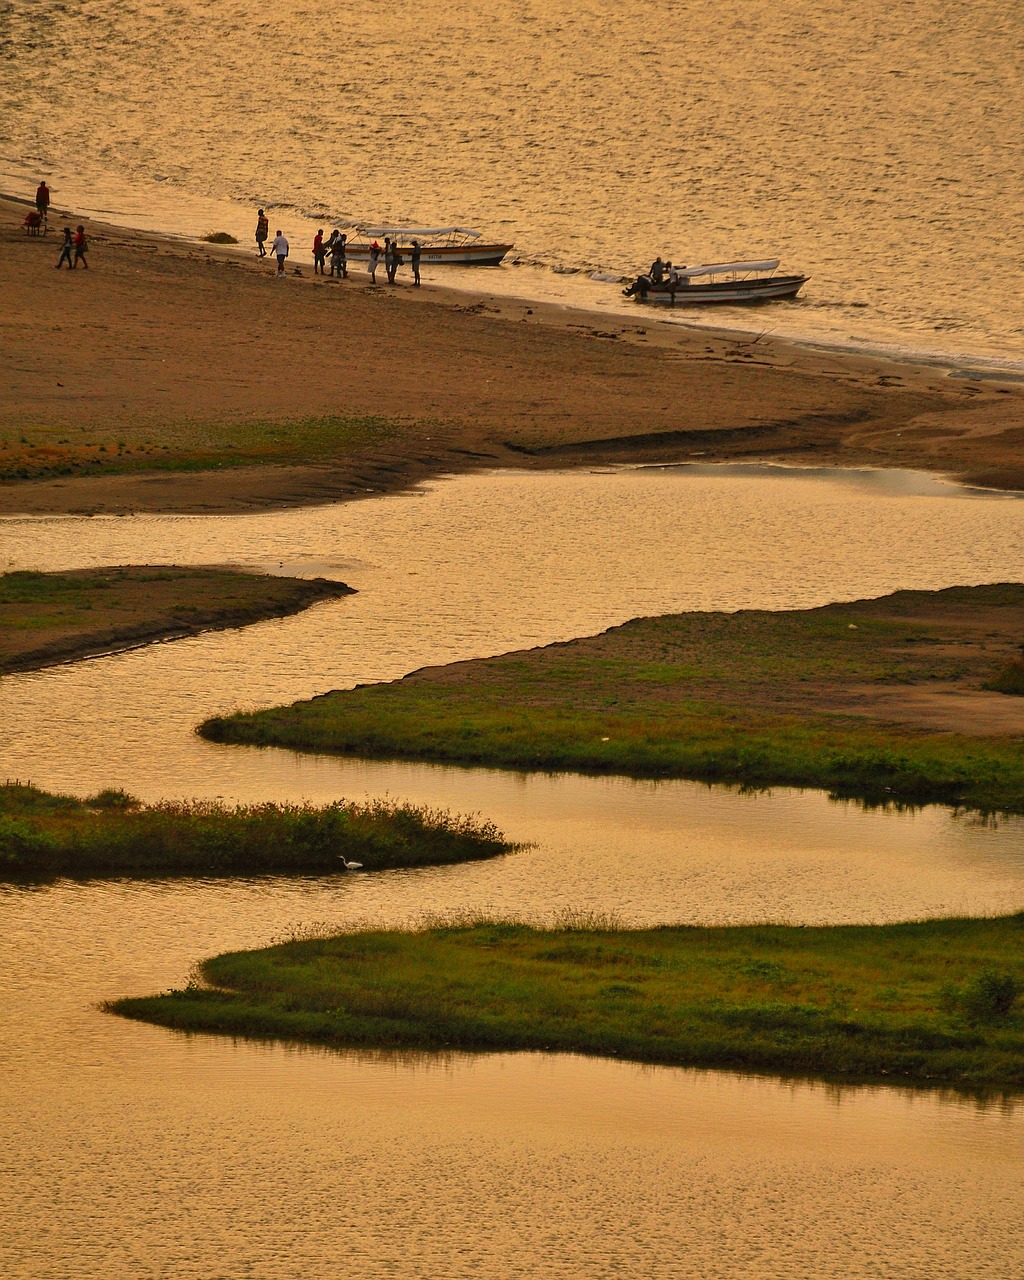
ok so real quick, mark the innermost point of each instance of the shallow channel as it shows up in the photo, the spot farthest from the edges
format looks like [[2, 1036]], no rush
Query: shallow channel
[[135, 1152]]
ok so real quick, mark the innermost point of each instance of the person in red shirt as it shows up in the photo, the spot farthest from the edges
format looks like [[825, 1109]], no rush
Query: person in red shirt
[[43, 199], [319, 253], [81, 247]]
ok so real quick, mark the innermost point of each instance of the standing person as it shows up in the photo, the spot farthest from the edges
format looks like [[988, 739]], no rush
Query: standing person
[[43, 200], [65, 249], [319, 253], [81, 247], [415, 259], [330, 248], [389, 259], [280, 248], [342, 252], [262, 231], [374, 259]]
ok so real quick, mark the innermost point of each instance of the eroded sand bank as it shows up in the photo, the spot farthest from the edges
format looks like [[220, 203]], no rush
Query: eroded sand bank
[[162, 331]]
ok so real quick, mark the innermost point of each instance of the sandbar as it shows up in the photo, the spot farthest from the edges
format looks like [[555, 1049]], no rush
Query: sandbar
[[166, 341]]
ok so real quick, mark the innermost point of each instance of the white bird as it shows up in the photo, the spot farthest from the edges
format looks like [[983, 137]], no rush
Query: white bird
[[349, 866]]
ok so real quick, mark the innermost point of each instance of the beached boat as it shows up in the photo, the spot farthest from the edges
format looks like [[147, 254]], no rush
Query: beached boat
[[718, 282], [453, 246]]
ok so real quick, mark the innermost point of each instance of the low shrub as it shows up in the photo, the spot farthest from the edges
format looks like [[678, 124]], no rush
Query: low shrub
[[112, 834], [989, 997]]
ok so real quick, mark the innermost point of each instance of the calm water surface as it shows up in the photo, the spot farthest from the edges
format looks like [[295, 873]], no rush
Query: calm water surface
[[876, 146], [133, 1152]]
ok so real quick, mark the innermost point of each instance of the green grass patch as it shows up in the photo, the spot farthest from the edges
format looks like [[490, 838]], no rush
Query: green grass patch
[[45, 836], [43, 450], [754, 697], [50, 617], [931, 1001]]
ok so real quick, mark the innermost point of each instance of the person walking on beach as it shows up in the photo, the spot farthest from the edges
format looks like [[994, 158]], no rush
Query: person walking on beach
[[374, 259], [280, 248], [43, 200], [319, 253], [262, 231], [415, 259], [81, 247], [65, 249]]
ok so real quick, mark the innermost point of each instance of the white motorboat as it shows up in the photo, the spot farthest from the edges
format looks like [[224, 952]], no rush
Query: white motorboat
[[453, 246], [718, 282]]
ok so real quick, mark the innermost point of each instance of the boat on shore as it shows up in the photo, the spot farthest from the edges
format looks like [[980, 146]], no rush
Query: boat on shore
[[452, 246], [718, 282]]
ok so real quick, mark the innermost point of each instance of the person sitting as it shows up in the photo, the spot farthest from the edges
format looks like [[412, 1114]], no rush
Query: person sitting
[[640, 288], [657, 271]]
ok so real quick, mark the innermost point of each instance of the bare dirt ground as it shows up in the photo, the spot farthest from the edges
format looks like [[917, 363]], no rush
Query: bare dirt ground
[[162, 332]]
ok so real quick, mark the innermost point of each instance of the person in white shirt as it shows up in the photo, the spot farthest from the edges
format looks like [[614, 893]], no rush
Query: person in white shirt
[[280, 248]]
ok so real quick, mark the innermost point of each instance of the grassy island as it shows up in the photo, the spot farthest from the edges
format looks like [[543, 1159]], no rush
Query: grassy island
[[890, 699], [44, 836], [47, 618], [931, 1001]]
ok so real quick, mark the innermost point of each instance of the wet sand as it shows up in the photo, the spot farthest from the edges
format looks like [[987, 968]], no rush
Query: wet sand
[[162, 332]]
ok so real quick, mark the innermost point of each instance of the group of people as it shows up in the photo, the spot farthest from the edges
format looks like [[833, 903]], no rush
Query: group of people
[[335, 249], [659, 273], [75, 246]]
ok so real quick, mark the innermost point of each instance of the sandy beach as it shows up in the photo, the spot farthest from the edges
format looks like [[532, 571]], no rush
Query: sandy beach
[[163, 336]]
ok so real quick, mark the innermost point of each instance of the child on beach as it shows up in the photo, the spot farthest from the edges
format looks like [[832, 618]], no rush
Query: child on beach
[[374, 259], [81, 247], [415, 259], [319, 253], [65, 249]]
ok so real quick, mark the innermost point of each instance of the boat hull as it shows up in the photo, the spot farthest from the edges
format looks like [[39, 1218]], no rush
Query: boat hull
[[732, 291], [476, 255]]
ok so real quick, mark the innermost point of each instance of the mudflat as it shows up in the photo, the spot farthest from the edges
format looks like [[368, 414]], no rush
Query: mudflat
[[177, 376], [46, 618]]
